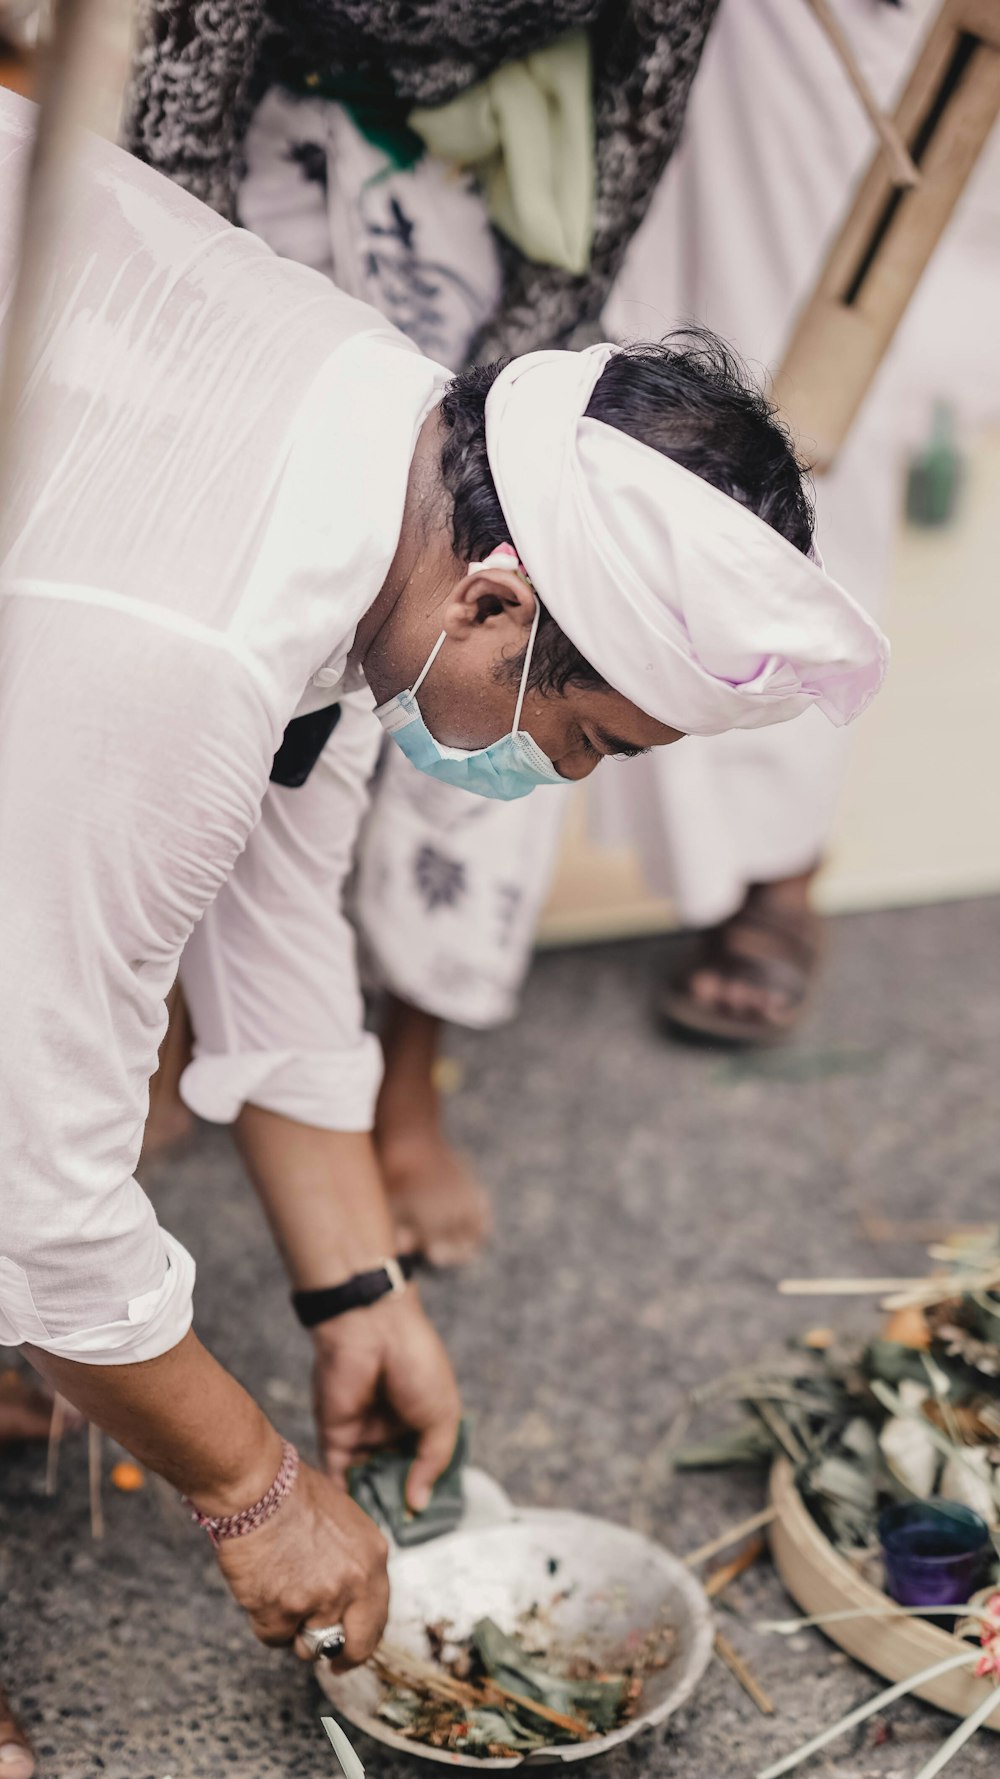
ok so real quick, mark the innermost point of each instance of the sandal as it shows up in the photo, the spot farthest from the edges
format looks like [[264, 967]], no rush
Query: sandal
[[773, 950]]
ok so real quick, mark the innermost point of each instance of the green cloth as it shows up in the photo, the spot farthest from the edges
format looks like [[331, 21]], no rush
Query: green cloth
[[528, 133], [379, 1487], [373, 108]]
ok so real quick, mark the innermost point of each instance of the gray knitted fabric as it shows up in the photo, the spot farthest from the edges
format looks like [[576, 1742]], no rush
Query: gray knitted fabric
[[202, 64]]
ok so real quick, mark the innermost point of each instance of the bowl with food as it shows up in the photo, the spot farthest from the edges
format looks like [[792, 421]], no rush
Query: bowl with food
[[527, 1636]]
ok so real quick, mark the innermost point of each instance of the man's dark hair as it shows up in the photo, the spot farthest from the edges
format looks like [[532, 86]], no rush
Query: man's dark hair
[[688, 396]]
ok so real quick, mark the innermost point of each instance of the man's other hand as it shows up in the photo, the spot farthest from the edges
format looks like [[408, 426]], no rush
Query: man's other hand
[[381, 1372]]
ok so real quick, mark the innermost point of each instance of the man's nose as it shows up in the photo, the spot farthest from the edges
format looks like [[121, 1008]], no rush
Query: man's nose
[[573, 767]]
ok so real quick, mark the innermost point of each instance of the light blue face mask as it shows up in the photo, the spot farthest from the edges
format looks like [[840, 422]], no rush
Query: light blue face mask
[[508, 768]]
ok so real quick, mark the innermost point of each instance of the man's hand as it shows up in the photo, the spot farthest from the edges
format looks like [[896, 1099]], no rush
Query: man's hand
[[319, 1560], [380, 1372]]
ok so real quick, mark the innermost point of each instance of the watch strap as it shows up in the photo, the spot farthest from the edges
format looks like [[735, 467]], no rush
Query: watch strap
[[387, 1279]]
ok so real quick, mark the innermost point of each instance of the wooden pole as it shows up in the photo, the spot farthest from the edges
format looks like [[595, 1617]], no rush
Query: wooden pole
[[81, 77]]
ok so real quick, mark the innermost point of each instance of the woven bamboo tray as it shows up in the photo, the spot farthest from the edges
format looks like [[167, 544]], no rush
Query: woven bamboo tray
[[820, 1580]]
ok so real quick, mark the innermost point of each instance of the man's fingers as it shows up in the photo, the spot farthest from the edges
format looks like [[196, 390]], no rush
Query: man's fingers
[[364, 1622], [367, 1435], [277, 1624], [272, 1626], [434, 1454]]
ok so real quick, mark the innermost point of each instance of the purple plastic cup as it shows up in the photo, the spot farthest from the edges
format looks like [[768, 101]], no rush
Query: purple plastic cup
[[936, 1553]]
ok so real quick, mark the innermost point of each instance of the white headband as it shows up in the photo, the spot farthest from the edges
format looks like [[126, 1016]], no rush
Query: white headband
[[687, 603]]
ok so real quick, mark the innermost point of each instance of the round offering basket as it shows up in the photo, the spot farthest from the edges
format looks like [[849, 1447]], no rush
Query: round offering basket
[[819, 1580]]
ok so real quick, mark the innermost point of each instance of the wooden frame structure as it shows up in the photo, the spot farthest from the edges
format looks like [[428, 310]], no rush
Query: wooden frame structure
[[945, 115]]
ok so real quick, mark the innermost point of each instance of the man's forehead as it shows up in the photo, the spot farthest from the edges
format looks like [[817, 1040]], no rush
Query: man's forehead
[[621, 726]]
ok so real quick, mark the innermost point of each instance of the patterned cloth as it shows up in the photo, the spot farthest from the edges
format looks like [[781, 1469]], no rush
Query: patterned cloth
[[413, 241], [448, 887], [202, 66]]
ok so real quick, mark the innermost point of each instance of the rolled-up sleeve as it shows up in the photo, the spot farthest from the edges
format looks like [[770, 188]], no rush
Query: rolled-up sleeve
[[270, 974], [133, 757]]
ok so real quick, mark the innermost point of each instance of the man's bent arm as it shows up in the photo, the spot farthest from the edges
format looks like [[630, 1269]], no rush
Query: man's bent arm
[[181, 1414], [322, 1194], [379, 1371], [133, 761]]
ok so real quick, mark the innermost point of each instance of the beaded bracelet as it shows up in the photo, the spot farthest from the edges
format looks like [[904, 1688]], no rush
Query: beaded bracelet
[[237, 1525]]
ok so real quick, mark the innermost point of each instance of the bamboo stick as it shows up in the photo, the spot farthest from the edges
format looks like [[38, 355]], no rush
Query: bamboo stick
[[868, 1709], [720, 1578], [56, 1426], [738, 1667], [94, 1480], [930, 1291], [897, 1294], [409, 1670], [846, 1287], [733, 1536], [574, 1726]]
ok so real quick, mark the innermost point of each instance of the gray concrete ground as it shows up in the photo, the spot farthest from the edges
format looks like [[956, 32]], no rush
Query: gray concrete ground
[[648, 1199]]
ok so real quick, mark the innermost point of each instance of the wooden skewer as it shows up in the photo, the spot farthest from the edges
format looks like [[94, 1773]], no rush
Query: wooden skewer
[[896, 1294], [738, 1667], [56, 1425], [410, 1670], [575, 1726], [847, 1287], [720, 1578], [733, 1536], [932, 1291], [94, 1477], [904, 171]]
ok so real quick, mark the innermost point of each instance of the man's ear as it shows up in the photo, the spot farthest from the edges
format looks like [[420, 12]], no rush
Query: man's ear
[[497, 598]]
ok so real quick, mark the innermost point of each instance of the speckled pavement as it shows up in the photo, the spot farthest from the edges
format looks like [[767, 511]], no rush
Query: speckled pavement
[[648, 1198]]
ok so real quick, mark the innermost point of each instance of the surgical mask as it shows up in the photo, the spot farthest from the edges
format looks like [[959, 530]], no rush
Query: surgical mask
[[508, 768]]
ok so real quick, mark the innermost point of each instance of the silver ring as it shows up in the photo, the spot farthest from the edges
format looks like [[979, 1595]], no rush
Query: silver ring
[[324, 1642]]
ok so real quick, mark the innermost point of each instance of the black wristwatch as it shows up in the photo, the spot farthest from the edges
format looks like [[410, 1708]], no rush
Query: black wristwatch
[[358, 1293]]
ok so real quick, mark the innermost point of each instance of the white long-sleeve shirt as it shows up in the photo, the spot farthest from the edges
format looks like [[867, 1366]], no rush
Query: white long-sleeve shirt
[[203, 497]]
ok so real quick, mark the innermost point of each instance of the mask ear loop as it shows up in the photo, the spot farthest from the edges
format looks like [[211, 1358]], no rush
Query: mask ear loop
[[498, 557], [526, 669], [428, 664]]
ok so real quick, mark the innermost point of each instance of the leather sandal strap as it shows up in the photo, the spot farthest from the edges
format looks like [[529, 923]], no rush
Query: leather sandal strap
[[775, 975], [794, 938], [784, 968]]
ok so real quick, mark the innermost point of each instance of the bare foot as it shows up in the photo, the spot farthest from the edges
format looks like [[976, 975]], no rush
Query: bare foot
[[440, 1209], [16, 1758]]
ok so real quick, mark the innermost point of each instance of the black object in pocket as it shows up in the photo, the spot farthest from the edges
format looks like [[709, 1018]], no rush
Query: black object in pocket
[[301, 746]]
